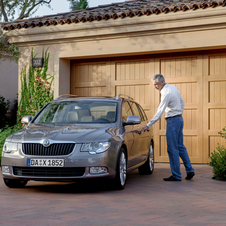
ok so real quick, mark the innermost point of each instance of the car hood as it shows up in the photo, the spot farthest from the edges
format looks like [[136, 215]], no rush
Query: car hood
[[63, 133]]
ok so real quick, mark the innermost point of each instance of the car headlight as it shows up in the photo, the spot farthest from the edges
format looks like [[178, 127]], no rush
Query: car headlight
[[95, 147], [10, 147]]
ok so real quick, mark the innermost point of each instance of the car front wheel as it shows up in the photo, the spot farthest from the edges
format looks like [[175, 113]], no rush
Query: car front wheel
[[13, 183], [148, 166], [121, 171]]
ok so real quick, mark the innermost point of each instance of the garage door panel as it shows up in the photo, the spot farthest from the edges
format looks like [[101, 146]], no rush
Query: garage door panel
[[82, 73], [88, 72], [190, 117], [217, 91], [179, 67], [217, 119], [217, 65], [191, 143], [163, 147], [133, 70], [140, 93], [90, 91], [89, 79]]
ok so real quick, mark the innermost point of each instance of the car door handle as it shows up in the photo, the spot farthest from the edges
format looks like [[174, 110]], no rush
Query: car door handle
[[143, 131]]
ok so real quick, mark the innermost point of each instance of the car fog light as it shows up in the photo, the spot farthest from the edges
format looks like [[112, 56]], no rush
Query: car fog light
[[96, 170], [5, 169]]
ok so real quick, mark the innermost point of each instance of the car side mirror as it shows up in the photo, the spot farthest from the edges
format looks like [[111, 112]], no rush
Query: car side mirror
[[132, 120], [26, 120]]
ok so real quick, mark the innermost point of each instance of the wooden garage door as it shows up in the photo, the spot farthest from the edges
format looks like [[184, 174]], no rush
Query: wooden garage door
[[200, 77], [214, 99], [184, 72]]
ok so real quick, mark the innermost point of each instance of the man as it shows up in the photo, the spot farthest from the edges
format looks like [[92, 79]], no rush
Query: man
[[173, 105]]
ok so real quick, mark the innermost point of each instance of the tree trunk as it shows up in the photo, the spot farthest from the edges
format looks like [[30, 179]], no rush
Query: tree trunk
[[3, 11]]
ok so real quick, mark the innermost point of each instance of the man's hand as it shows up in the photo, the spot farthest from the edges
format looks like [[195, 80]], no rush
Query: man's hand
[[144, 129]]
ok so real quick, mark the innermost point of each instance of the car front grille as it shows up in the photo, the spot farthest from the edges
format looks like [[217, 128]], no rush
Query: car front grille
[[48, 172], [52, 150]]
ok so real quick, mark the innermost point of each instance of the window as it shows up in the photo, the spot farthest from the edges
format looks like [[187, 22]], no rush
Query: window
[[138, 111], [79, 112], [144, 116], [126, 111]]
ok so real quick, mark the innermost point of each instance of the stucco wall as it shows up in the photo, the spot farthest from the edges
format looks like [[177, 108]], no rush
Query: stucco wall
[[164, 33], [8, 79]]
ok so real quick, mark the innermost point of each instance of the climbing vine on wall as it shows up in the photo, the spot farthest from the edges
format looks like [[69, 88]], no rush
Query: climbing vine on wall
[[36, 87]]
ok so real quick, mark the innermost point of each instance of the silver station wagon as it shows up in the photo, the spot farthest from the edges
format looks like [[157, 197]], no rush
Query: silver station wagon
[[75, 138]]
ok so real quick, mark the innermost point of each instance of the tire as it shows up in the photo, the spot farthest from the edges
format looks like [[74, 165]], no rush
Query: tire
[[148, 166], [14, 183], [119, 181]]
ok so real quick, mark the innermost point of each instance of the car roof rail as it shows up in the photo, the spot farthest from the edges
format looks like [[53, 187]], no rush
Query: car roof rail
[[64, 96], [123, 95]]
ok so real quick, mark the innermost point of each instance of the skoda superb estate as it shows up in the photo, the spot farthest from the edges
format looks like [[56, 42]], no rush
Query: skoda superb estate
[[75, 138]]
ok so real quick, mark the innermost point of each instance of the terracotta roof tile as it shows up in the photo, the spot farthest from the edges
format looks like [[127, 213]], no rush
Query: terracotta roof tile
[[121, 10]]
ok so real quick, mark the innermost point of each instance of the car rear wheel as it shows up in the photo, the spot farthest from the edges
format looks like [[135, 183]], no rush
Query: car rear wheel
[[12, 183], [148, 166], [121, 171]]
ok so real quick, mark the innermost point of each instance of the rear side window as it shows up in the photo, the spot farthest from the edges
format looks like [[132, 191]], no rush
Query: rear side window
[[136, 111], [126, 111], [142, 112]]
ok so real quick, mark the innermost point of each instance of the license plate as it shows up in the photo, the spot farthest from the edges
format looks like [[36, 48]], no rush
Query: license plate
[[45, 162]]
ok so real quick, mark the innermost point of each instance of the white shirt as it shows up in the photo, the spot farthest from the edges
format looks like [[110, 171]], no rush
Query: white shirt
[[171, 102]]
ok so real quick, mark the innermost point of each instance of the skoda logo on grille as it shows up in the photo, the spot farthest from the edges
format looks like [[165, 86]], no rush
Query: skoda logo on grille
[[46, 143]]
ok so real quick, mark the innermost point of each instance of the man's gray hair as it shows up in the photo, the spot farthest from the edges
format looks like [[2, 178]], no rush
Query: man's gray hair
[[158, 78]]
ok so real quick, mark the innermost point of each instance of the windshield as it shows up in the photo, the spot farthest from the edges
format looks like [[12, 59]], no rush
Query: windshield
[[78, 112]]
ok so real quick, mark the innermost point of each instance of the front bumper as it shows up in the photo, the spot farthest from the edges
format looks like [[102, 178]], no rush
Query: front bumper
[[54, 174], [76, 166]]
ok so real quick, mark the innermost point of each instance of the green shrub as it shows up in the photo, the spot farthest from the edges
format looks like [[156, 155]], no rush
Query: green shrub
[[223, 133], [5, 133], [218, 159], [4, 109]]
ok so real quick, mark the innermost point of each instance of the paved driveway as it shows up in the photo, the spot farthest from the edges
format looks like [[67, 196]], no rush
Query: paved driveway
[[146, 200]]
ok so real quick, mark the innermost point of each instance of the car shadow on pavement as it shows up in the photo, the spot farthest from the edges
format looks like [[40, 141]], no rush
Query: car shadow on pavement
[[85, 186], [72, 187]]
